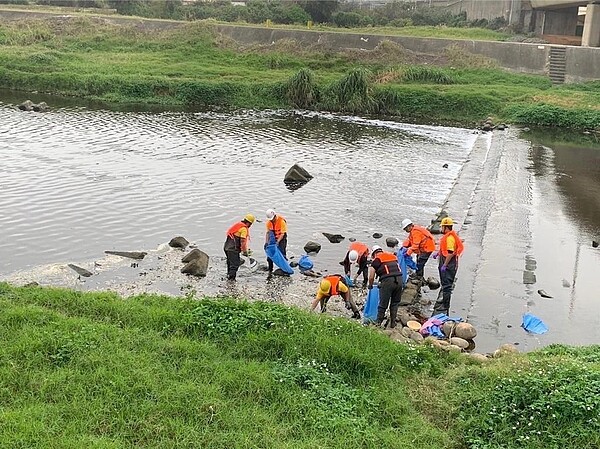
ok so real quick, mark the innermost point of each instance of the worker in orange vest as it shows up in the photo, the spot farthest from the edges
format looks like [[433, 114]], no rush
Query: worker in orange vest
[[331, 286], [451, 247], [357, 253], [419, 242], [276, 230], [385, 267], [237, 241]]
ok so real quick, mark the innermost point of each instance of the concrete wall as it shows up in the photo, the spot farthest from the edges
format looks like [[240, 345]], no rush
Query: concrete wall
[[583, 64], [477, 9]]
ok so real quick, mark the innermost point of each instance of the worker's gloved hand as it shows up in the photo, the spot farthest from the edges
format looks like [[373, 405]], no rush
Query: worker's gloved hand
[[370, 287], [247, 253], [443, 268], [435, 254]]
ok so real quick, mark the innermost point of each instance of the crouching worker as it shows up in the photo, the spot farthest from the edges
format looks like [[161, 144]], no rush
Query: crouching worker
[[358, 253], [237, 240], [332, 286], [385, 267]]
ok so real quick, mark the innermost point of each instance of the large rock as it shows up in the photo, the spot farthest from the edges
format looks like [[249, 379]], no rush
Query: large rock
[[448, 328], [27, 105], [377, 235], [479, 357], [178, 242], [80, 271], [312, 247], [433, 283], [529, 277], [194, 254], [435, 227], [296, 177], [391, 242], [465, 331], [460, 342], [505, 349], [137, 255], [410, 294], [196, 267], [334, 238], [40, 107]]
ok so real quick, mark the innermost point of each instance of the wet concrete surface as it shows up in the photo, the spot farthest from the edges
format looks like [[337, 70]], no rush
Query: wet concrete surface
[[76, 182]]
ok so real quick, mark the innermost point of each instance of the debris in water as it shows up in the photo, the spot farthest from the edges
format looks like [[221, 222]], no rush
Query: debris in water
[[566, 283], [595, 244], [377, 235], [543, 294], [445, 166], [138, 255], [80, 271], [334, 238]]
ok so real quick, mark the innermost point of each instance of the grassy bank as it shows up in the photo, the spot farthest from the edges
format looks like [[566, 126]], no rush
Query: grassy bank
[[93, 370], [193, 66]]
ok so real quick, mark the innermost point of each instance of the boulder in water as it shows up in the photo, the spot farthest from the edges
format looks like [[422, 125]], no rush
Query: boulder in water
[[435, 227], [377, 235], [595, 244], [312, 247], [137, 255], [40, 107], [391, 242], [27, 105], [543, 294], [178, 242], [296, 177], [334, 238]]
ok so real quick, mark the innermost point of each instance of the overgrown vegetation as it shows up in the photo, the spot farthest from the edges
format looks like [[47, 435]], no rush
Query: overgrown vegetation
[[93, 370], [194, 66]]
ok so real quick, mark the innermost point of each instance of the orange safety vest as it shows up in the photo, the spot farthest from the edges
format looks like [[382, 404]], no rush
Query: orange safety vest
[[360, 248], [236, 239], [444, 244], [388, 267], [275, 225], [421, 241], [334, 280]]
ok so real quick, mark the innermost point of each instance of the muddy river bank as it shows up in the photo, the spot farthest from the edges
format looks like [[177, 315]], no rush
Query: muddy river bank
[[78, 181]]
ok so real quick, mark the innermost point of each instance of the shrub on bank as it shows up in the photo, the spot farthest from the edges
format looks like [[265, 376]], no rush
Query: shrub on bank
[[551, 115]]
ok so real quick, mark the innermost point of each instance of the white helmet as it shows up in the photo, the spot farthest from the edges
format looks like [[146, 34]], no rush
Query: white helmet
[[353, 256], [270, 214], [376, 248], [406, 222]]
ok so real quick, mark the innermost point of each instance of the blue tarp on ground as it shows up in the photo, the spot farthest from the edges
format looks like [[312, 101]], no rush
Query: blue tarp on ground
[[274, 253], [371, 304], [533, 324]]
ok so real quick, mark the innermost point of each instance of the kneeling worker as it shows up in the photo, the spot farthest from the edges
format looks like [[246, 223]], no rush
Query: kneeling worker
[[331, 286], [385, 267], [357, 253], [237, 240]]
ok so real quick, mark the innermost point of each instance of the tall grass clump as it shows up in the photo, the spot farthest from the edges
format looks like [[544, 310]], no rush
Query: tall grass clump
[[552, 115], [352, 93], [301, 90], [427, 75]]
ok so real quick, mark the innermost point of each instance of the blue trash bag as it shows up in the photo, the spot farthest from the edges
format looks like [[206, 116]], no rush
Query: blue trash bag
[[274, 253], [371, 305], [348, 280], [405, 262], [304, 263], [533, 324]]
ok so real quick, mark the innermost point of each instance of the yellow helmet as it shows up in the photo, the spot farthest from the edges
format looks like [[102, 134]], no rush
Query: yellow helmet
[[446, 221], [325, 286], [249, 218]]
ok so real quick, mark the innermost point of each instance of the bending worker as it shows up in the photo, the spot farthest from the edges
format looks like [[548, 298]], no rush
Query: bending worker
[[385, 267], [277, 232], [357, 253], [331, 286], [238, 238], [451, 247], [420, 242]]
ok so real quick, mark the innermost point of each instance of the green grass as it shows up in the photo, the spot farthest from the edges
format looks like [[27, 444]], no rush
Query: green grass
[[193, 66], [93, 370]]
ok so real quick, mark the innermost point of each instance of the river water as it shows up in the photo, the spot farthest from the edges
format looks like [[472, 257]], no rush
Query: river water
[[77, 181]]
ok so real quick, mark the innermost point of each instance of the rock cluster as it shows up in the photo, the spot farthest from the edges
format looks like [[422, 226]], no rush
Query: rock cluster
[[196, 263], [488, 125], [30, 106]]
